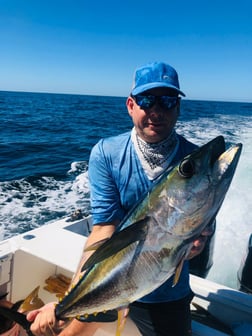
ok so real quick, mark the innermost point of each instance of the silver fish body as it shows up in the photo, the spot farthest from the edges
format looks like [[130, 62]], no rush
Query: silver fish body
[[156, 235]]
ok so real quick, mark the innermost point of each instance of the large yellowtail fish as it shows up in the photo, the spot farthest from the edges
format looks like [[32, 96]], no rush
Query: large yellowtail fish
[[156, 236]]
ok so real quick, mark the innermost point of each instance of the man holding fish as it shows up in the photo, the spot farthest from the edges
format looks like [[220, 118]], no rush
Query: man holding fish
[[121, 170]]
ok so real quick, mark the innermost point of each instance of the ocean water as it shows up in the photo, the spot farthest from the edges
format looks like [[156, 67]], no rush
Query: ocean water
[[45, 145]]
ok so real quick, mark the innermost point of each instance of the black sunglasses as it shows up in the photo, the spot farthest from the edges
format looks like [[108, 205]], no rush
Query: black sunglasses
[[149, 101]]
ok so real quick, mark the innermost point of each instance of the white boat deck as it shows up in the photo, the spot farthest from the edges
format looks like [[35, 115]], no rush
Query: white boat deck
[[27, 260]]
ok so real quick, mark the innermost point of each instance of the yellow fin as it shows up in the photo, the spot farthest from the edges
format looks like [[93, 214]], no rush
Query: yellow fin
[[31, 302], [178, 271], [122, 317]]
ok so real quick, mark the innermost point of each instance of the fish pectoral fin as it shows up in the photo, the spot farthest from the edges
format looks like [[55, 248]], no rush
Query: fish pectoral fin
[[122, 317], [108, 316], [178, 271], [118, 241]]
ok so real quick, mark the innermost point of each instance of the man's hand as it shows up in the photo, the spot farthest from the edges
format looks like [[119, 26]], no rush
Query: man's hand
[[44, 321]]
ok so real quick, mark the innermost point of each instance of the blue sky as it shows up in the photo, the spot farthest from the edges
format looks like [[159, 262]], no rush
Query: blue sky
[[93, 47]]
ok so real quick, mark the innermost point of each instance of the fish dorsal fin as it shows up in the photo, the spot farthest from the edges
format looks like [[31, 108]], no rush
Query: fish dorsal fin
[[118, 241]]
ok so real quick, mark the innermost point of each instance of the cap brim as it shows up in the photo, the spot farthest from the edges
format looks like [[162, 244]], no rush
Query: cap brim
[[143, 88]]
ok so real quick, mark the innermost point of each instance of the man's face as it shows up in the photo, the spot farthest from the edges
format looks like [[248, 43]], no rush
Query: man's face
[[154, 124]]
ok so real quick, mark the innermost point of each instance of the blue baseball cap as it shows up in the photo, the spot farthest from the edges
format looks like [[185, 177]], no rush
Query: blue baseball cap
[[155, 75]]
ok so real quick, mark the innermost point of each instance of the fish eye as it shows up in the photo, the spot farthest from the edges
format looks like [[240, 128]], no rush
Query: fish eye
[[186, 168]]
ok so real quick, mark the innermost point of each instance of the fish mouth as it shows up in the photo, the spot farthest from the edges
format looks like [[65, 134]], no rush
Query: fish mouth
[[223, 161], [218, 147], [217, 151], [215, 148]]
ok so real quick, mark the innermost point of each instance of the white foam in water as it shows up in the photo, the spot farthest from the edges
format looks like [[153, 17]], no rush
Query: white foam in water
[[25, 206]]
